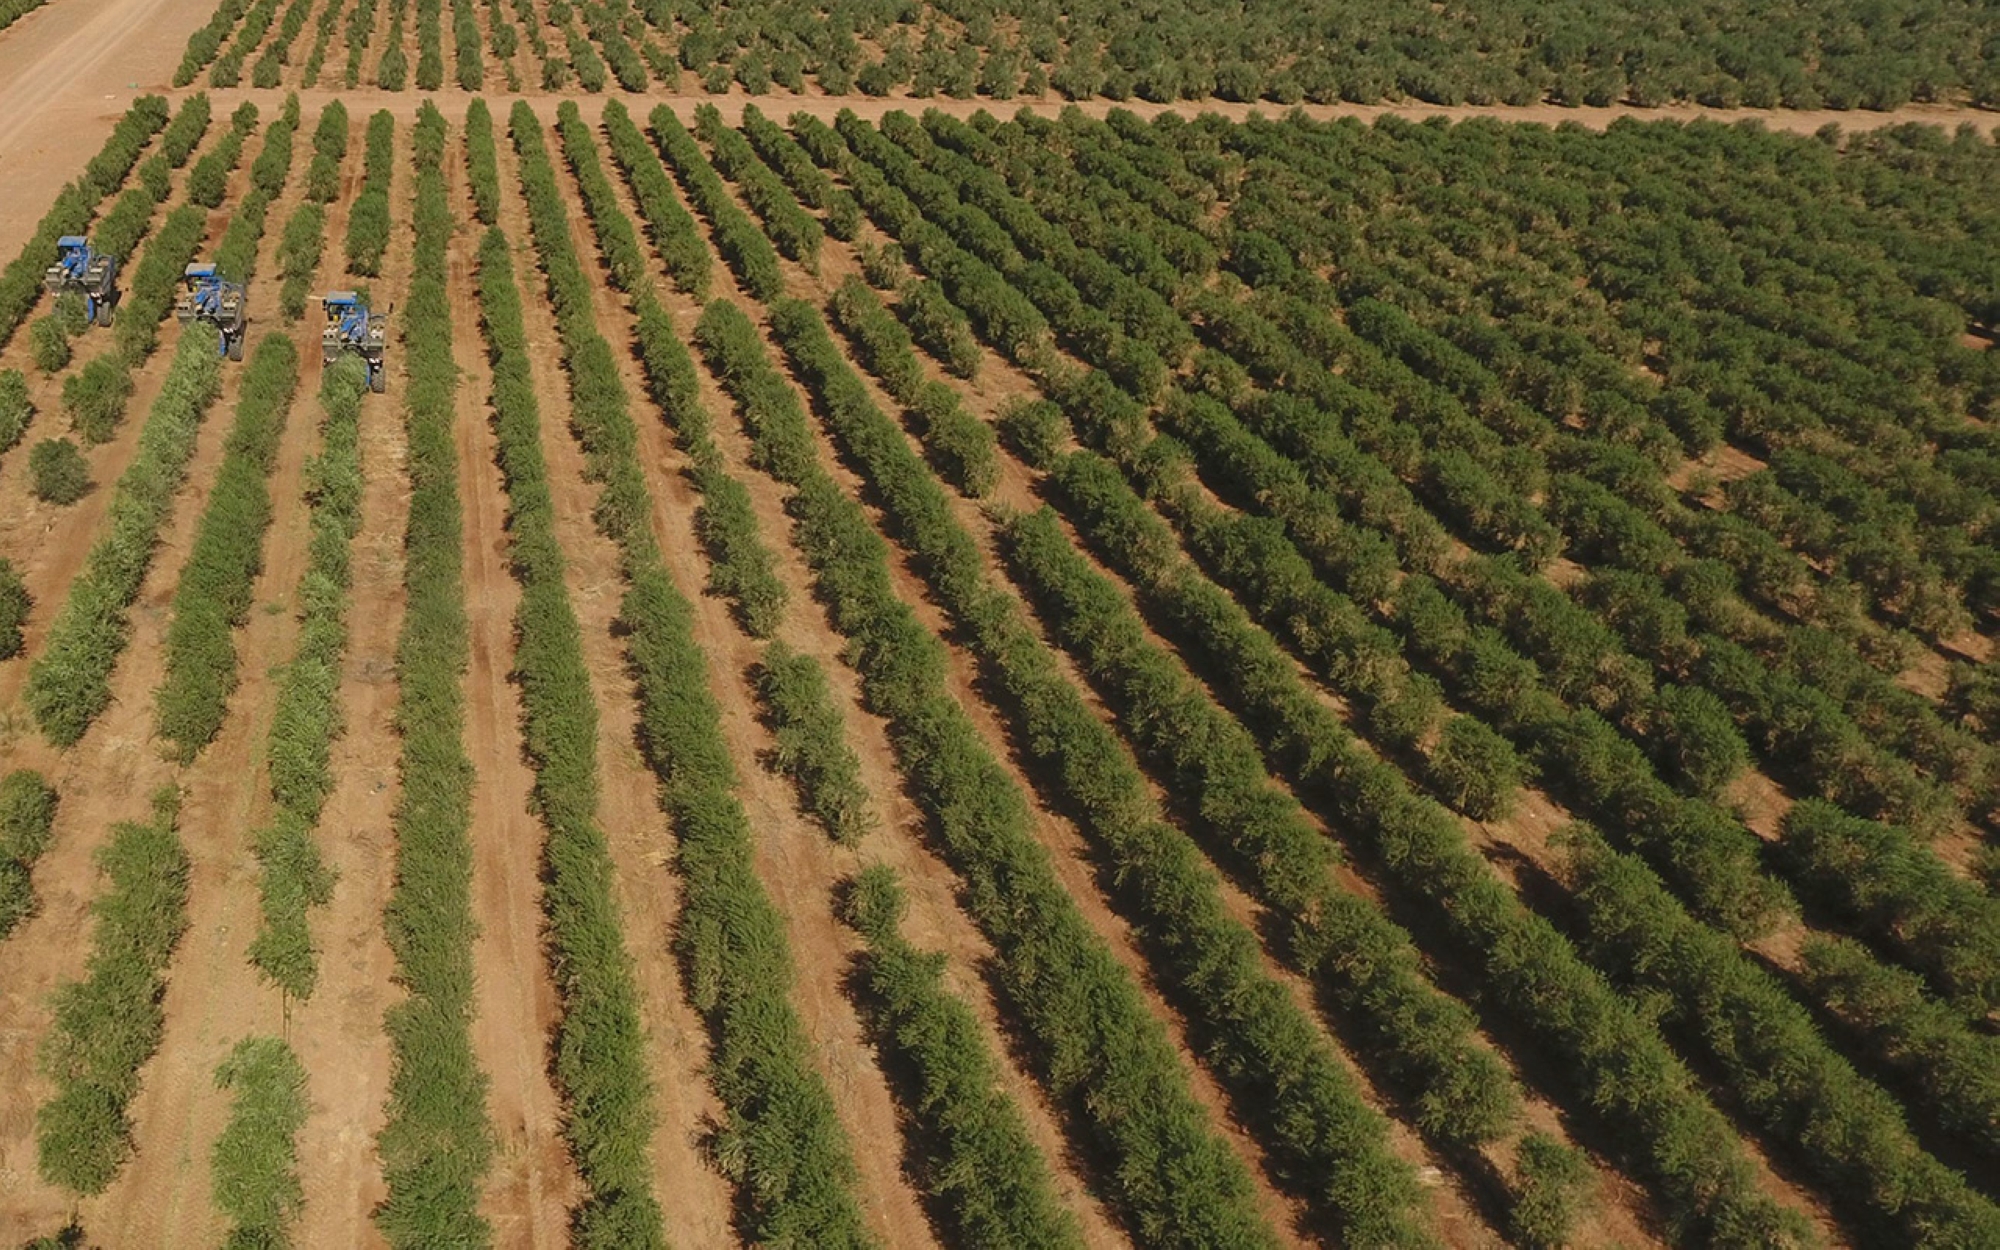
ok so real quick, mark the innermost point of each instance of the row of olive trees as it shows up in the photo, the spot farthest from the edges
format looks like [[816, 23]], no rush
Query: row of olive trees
[[212, 596], [1060, 980], [437, 1141], [109, 1023], [1703, 1185], [1264, 1045], [741, 567], [787, 1153], [602, 1067], [69, 682]]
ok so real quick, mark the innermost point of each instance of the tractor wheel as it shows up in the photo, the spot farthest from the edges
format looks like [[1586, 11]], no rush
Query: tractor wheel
[[378, 379], [236, 348], [104, 313]]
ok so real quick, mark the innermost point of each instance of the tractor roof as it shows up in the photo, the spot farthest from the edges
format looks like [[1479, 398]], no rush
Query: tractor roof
[[342, 299], [71, 240], [198, 271]]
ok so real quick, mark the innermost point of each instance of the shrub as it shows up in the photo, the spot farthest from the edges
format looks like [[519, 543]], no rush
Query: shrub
[[674, 234], [744, 247], [368, 220], [1549, 1181], [329, 150], [150, 298], [95, 398], [15, 602], [1474, 769], [812, 745], [253, 1165], [307, 718], [21, 281], [482, 163], [787, 1153], [60, 473], [27, 814], [49, 340], [15, 408]]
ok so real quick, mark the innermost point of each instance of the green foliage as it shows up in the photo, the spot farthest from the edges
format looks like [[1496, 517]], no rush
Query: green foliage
[[278, 52], [1474, 769], [437, 1143], [15, 601], [228, 68], [961, 446], [58, 471], [69, 314], [1696, 740], [236, 256], [1062, 981], [329, 18], [781, 1141], [150, 298], [95, 396], [360, 29], [254, 1163], [1786, 1077], [1952, 1070], [1879, 882], [1549, 1192], [206, 41], [69, 682], [108, 1024], [368, 219], [208, 181], [299, 250], [329, 150], [430, 45], [16, 410], [212, 597], [49, 342], [975, 1161], [292, 876], [812, 745], [743, 247], [796, 232], [27, 814], [741, 568], [673, 232], [465, 37], [812, 187], [482, 163]]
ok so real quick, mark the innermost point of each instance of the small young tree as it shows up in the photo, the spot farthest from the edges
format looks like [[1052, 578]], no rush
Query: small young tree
[[1474, 769], [49, 342], [61, 474], [1549, 1192], [14, 604]]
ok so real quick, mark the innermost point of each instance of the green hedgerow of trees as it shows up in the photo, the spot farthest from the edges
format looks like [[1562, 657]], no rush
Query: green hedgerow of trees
[[108, 1024], [437, 1142], [212, 597]]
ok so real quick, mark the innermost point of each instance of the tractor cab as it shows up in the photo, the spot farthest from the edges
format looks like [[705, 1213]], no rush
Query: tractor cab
[[83, 271], [351, 326], [209, 298]]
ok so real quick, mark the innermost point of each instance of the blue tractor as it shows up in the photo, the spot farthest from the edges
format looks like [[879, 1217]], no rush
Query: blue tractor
[[351, 327], [209, 298], [91, 274]]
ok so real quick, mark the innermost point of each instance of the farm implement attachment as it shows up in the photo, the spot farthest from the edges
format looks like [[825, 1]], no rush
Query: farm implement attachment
[[210, 299], [82, 271]]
